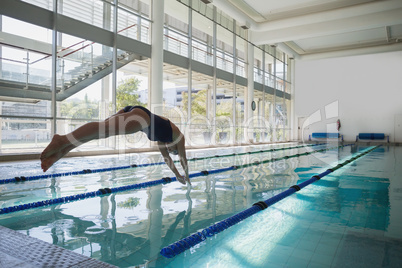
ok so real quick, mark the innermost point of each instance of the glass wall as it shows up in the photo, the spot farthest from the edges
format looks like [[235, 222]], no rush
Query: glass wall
[[201, 124], [134, 23], [202, 39], [268, 117], [280, 118], [239, 116], [241, 56], [258, 68], [176, 37], [224, 50], [175, 95], [269, 70], [224, 112], [89, 87], [132, 89], [25, 75], [81, 98]]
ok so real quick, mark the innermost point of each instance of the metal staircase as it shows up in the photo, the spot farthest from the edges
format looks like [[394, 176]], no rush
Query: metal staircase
[[72, 82]]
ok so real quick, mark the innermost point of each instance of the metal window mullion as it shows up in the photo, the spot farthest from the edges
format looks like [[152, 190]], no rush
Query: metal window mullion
[[234, 82], [114, 66], [190, 59], [53, 108], [274, 102], [214, 47], [283, 96], [263, 88]]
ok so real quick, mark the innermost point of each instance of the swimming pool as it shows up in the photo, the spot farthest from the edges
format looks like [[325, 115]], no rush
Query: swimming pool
[[349, 218]]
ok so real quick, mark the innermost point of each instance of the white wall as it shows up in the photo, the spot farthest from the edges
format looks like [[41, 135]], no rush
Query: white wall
[[364, 92]]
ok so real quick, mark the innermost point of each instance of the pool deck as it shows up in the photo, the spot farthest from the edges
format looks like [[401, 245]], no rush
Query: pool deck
[[19, 250]]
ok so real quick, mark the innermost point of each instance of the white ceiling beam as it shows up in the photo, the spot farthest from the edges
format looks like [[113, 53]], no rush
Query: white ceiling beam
[[330, 15], [353, 52], [316, 29]]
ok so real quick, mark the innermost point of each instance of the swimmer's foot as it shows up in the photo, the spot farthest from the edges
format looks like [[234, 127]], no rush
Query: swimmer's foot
[[58, 147]]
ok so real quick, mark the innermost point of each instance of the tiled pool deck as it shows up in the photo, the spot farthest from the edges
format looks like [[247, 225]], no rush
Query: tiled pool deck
[[19, 250]]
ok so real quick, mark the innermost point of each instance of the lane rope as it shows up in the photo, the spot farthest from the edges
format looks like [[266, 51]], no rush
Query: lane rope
[[190, 241], [165, 180], [87, 171]]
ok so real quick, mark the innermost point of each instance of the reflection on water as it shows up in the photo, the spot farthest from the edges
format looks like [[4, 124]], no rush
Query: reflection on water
[[130, 228]]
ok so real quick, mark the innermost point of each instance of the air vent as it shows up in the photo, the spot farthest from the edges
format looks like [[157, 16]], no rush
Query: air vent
[[246, 26]]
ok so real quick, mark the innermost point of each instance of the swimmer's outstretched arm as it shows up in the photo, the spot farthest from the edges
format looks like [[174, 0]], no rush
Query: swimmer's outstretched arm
[[171, 165], [181, 150]]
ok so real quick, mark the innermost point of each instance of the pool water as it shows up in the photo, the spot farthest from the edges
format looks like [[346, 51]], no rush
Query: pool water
[[350, 218]]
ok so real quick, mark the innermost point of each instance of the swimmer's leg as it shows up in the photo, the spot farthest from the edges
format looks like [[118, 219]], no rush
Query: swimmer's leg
[[126, 123]]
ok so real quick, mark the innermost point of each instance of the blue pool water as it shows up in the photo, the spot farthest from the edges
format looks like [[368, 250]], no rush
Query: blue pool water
[[350, 218]]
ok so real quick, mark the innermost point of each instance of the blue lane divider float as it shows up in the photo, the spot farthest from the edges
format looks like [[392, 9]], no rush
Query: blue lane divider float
[[190, 241], [87, 171], [137, 186]]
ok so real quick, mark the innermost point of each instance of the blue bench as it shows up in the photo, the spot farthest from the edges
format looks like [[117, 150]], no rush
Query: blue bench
[[372, 136], [325, 135]]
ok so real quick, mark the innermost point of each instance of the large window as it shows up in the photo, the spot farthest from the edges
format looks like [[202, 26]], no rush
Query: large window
[[224, 51], [268, 117], [176, 28], [239, 116], [201, 126], [86, 75], [241, 56], [132, 25], [269, 70], [258, 68], [224, 112], [25, 75], [132, 89], [202, 43], [175, 95]]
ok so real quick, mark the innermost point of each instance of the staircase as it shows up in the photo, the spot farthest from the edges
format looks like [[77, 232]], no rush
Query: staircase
[[73, 81]]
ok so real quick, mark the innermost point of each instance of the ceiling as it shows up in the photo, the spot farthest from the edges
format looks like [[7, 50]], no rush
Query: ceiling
[[311, 29]]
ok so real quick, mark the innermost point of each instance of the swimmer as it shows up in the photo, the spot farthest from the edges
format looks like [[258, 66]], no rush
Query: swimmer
[[128, 120]]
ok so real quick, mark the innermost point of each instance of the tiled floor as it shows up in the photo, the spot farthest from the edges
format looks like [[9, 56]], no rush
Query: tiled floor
[[19, 250]]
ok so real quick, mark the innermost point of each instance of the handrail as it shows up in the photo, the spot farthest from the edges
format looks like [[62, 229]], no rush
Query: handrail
[[208, 53], [80, 42], [72, 52], [36, 51], [17, 61]]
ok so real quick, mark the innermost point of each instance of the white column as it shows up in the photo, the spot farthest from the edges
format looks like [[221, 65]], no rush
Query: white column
[[249, 95], [293, 123], [155, 92]]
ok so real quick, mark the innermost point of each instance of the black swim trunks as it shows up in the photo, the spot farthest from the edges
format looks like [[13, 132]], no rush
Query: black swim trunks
[[159, 128]]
